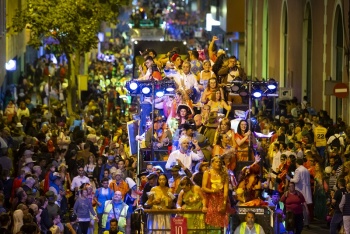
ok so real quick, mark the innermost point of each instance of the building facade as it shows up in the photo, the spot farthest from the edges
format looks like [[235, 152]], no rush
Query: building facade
[[302, 44], [13, 46]]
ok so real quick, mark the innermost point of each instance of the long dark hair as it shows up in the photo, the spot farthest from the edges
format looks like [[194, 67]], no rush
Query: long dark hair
[[239, 130], [220, 138], [166, 178], [186, 181]]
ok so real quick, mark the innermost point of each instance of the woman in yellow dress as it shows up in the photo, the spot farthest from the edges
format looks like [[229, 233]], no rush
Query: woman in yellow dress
[[192, 198], [160, 198]]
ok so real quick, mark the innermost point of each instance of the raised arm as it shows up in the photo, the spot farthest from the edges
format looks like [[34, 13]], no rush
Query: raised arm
[[211, 46], [227, 107]]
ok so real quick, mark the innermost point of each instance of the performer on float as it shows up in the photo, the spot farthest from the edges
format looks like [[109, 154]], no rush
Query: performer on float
[[242, 138], [215, 185]]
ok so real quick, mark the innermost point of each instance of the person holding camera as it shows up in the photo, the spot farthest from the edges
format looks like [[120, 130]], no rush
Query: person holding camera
[[185, 155], [231, 72]]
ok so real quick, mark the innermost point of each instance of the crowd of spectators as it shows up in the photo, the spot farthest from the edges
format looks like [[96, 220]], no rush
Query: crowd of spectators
[[63, 173]]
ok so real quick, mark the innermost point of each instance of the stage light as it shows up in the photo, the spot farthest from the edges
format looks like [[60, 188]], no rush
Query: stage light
[[272, 84], [151, 87], [236, 84], [133, 85], [168, 85], [170, 89], [146, 90], [243, 90], [10, 65], [259, 88], [160, 93], [257, 93]]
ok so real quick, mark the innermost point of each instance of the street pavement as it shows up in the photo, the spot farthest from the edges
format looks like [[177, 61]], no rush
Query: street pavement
[[319, 227]]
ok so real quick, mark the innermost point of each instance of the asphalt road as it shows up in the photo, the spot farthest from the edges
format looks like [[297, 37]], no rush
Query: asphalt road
[[319, 227]]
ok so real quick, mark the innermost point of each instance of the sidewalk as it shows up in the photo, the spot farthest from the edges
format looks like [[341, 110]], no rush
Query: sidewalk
[[318, 227]]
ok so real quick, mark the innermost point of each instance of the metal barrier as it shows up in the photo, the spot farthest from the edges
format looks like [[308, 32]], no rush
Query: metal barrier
[[175, 212], [264, 216]]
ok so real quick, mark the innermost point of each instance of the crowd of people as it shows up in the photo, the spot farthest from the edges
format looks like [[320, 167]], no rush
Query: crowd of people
[[75, 174]]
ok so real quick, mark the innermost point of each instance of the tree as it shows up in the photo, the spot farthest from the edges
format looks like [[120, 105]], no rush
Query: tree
[[74, 24]]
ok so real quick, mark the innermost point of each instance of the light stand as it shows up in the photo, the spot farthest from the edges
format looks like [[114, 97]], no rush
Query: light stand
[[152, 125], [249, 117]]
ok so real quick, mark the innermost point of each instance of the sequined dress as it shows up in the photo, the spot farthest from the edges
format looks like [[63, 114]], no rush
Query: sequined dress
[[193, 202], [214, 216], [159, 223]]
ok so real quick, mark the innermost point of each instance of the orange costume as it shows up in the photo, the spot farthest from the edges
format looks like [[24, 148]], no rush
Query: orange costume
[[249, 184], [243, 150], [122, 186]]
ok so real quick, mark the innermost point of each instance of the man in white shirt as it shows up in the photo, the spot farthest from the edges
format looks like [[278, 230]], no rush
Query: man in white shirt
[[187, 81], [334, 138], [184, 156], [276, 158], [302, 184], [79, 179]]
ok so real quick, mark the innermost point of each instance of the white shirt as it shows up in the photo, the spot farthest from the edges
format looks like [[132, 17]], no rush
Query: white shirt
[[78, 181], [302, 183], [340, 137], [276, 161], [104, 191], [189, 80], [184, 81], [186, 159]]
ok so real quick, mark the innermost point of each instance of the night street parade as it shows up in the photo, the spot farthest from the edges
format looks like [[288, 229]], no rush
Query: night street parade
[[174, 117]]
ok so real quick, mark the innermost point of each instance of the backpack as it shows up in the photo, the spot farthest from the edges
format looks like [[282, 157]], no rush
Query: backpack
[[335, 143]]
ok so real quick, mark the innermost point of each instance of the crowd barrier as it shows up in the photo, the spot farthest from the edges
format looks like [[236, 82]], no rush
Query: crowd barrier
[[264, 216], [176, 212]]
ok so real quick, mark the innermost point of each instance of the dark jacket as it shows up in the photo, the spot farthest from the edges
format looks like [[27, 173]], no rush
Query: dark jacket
[[45, 222], [144, 196]]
